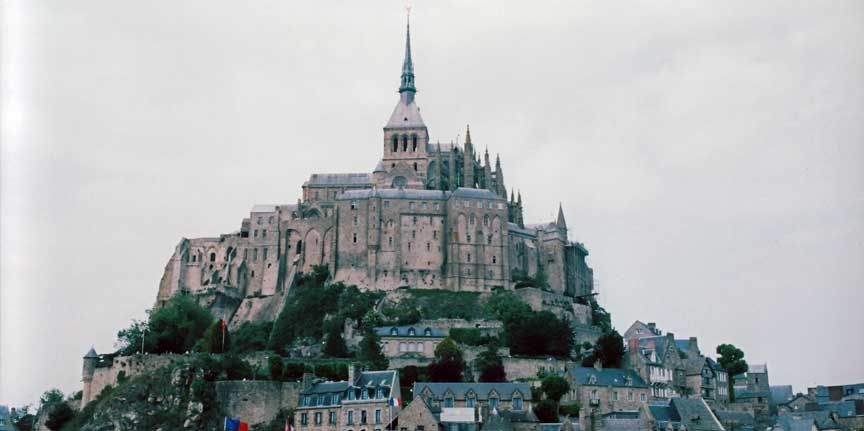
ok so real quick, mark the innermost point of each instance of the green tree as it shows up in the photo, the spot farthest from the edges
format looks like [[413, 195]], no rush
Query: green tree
[[547, 411], [554, 387], [335, 344], [276, 367], [609, 349], [305, 308], [732, 360], [174, 328], [50, 398], [214, 339], [490, 365], [448, 365], [370, 351], [408, 375], [235, 368], [540, 333], [250, 337], [294, 371], [59, 415]]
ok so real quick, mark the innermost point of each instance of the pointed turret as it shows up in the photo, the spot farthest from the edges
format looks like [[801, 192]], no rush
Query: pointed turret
[[519, 217], [560, 222], [499, 178], [468, 161], [406, 114], [451, 167], [487, 173]]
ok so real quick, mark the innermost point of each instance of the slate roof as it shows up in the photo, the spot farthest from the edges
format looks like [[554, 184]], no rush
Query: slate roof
[[91, 353], [402, 331], [614, 377], [505, 390], [787, 423], [781, 394], [405, 115], [463, 192], [757, 368], [352, 179], [844, 409], [695, 414], [374, 379], [740, 418], [393, 194]]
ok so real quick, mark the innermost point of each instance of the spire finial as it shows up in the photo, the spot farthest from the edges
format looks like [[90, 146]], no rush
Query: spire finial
[[467, 134], [561, 222], [407, 84]]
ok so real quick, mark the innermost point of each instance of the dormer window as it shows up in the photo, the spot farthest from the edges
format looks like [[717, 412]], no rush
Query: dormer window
[[427, 332], [592, 380], [517, 402], [448, 401], [411, 332], [394, 331]]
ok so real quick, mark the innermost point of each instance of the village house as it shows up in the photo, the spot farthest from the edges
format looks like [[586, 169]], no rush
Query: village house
[[410, 341], [601, 390], [503, 396], [363, 403]]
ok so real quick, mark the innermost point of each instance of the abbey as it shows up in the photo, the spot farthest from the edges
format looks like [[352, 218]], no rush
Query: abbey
[[429, 216]]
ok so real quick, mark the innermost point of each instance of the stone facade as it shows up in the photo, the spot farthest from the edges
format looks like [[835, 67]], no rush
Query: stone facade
[[416, 416], [257, 402], [362, 403], [410, 341], [428, 216], [511, 397], [599, 390]]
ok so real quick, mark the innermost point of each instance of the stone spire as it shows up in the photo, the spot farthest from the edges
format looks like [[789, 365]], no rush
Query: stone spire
[[487, 173], [407, 89], [519, 219], [560, 222], [468, 160], [499, 178], [451, 167]]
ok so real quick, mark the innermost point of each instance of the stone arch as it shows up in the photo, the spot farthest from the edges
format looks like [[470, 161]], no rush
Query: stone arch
[[312, 247], [329, 248], [292, 238]]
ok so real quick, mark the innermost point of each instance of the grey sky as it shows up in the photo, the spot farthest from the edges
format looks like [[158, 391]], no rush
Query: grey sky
[[709, 154]]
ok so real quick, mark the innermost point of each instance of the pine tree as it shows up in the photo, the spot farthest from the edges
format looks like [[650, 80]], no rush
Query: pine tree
[[370, 351], [335, 345]]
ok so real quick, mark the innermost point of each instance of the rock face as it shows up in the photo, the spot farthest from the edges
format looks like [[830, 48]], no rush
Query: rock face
[[160, 399]]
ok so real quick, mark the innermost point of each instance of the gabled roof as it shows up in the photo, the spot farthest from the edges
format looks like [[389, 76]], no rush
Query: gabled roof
[[91, 353], [504, 390], [696, 414], [374, 379], [615, 377], [327, 388], [350, 179]]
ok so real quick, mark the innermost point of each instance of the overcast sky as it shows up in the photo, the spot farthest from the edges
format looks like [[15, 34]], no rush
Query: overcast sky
[[710, 155]]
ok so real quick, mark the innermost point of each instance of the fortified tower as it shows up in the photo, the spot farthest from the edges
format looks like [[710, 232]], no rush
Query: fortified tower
[[89, 367]]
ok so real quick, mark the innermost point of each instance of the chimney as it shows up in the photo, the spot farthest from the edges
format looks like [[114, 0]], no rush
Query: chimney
[[652, 327], [308, 380], [693, 345], [353, 372]]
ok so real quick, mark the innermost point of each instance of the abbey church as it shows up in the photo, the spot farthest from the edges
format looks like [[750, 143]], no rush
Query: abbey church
[[428, 216]]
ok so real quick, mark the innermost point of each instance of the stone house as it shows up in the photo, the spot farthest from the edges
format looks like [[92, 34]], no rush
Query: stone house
[[416, 416], [363, 403], [798, 403], [410, 341], [641, 330], [706, 379], [599, 390], [659, 363], [505, 396]]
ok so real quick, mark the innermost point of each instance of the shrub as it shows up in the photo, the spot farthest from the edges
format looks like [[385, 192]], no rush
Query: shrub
[[60, 414], [235, 368], [294, 371], [554, 387], [250, 337], [275, 366], [569, 410], [547, 411], [370, 351]]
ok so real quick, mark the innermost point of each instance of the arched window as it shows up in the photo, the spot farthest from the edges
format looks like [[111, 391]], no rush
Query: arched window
[[299, 246], [212, 257], [404, 142], [486, 220], [517, 403], [394, 331], [354, 237], [395, 143], [414, 143], [411, 332], [427, 332], [415, 166]]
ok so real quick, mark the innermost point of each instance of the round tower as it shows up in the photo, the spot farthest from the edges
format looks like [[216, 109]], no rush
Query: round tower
[[90, 360]]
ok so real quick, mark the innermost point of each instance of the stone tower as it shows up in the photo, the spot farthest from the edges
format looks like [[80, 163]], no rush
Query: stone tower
[[406, 153], [90, 360]]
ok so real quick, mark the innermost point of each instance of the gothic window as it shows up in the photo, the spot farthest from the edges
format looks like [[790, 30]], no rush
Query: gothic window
[[404, 142], [299, 246], [428, 246], [489, 239], [255, 255], [409, 246], [263, 233], [354, 237], [265, 253], [415, 166], [212, 257], [414, 144], [395, 143]]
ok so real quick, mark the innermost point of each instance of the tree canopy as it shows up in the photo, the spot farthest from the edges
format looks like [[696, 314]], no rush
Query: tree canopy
[[174, 328], [490, 365], [370, 351], [554, 387], [732, 360], [448, 365]]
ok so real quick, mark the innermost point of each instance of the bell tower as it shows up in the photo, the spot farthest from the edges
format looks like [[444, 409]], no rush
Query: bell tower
[[406, 139]]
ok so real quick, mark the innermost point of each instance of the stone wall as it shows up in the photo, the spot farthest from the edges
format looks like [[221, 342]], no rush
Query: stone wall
[[256, 402], [528, 368], [131, 366]]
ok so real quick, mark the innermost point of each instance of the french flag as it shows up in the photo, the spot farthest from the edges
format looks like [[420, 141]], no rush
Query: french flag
[[232, 424], [395, 402]]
